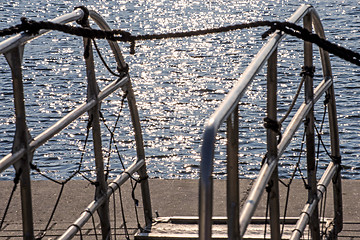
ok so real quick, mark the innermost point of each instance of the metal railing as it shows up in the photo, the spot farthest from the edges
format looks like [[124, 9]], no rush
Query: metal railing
[[228, 111], [24, 145]]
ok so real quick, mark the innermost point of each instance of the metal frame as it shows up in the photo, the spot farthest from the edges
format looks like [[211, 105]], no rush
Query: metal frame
[[24, 146], [269, 169]]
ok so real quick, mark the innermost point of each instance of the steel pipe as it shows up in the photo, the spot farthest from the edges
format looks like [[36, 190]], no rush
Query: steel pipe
[[255, 194], [310, 207], [271, 136], [221, 114], [267, 169], [232, 180]]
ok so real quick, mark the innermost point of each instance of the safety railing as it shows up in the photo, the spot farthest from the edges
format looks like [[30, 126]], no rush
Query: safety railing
[[228, 111], [24, 145]]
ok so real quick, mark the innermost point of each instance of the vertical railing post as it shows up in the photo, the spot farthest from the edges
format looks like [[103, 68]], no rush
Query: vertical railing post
[[21, 140], [94, 113], [335, 153], [309, 124], [232, 186], [272, 146]]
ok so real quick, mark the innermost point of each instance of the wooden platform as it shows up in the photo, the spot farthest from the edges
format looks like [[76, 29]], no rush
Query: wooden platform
[[169, 198], [182, 228]]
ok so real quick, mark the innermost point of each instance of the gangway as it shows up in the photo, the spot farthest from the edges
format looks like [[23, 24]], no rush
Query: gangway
[[206, 226]]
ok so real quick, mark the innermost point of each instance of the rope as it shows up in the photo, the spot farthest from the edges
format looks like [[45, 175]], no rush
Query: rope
[[79, 229], [34, 167], [123, 71], [326, 101], [303, 73], [307, 71], [288, 185], [273, 125], [83, 21], [112, 134], [127, 235], [16, 182], [132, 178], [43, 232], [33, 27], [93, 222]]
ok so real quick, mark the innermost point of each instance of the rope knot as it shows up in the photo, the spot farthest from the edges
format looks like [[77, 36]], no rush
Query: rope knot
[[29, 26], [17, 177], [327, 98], [84, 19], [124, 69], [307, 71], [273, 125], [336, 159]]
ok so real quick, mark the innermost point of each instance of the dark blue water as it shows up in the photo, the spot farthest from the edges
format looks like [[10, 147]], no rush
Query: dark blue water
[[178, 84]]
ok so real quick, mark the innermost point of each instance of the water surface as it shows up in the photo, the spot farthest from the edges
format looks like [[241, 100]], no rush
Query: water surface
[[178, 84]]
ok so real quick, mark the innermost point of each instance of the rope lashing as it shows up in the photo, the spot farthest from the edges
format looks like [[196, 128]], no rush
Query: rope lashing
[[327, 98], [307, 71], [273, 125], [78, 228], [336, 159], [322, 192], [85, 18]]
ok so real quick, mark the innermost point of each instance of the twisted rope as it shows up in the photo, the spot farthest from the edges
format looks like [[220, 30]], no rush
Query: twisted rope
[[33, 27]]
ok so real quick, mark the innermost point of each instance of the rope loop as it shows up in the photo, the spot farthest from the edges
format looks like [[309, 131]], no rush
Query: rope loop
[[336, 159], [327, 98], [79, 229], [17, 177], [269, 186], [322, 192], [83, 21], [124, 69], [273, 125], [307, 71]]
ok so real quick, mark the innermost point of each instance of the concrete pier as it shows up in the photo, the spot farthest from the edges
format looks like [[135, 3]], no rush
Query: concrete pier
[[169, 198]]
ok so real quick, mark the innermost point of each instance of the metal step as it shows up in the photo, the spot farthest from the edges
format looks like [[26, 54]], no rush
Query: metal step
[[180, 228]]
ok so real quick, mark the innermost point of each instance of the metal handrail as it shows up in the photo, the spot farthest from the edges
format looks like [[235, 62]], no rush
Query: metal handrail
[[13, 48], [43, 137], [228, 108]]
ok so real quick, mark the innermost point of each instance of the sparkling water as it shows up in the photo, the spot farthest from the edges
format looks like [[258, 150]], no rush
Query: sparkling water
[[178, 84]]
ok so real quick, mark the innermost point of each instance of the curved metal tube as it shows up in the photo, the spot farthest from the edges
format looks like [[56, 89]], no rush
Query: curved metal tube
[[227, 107], [21, 39]]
